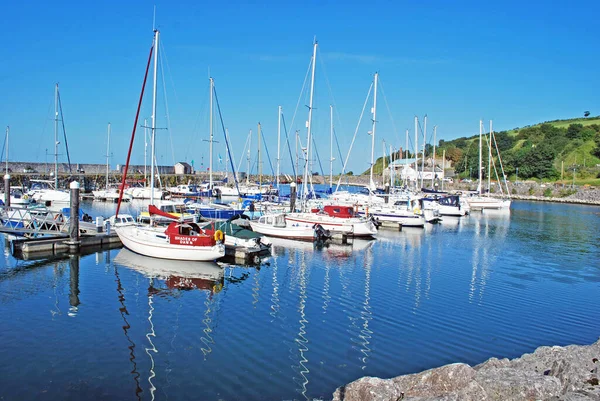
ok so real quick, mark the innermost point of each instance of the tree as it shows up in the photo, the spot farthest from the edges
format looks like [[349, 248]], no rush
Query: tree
[[574, 130], [454, 154]]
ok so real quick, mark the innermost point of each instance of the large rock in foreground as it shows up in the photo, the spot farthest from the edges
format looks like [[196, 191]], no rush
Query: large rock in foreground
[[550, 373]]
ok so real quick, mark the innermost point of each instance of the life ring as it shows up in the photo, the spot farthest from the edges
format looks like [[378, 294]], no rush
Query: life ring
[[219, 236]]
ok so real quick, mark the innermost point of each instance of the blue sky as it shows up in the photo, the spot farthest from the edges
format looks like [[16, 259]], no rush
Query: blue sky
[[517, 63]]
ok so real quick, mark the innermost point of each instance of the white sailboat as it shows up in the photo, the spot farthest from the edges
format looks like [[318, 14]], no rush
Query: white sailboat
[[180, 240], [481, 202], [46, 192], [110, 193]]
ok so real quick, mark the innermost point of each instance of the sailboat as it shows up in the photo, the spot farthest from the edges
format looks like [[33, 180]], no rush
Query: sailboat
[[343, 220], [180, 240], [479, 201], [46, 192], [17, 195], [110, 194]]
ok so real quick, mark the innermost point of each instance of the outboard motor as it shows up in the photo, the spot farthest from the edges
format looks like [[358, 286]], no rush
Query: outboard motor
[[375, 222], [321, 234]]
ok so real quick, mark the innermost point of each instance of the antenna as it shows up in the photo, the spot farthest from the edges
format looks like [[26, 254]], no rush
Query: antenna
[[154, 19]]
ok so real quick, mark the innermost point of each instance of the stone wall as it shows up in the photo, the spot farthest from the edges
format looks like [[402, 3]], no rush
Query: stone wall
[[550, 373]]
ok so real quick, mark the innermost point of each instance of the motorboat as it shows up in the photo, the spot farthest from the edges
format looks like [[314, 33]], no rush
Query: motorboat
[[276, 225], [336, 218]]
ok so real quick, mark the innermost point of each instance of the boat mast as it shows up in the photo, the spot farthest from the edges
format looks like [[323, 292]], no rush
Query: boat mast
[[259, 167], [248, 158], [489, 172], [107, 155], [480, 161], [153, 138], [210, 142], [309, 122], [331, 159], [433, 169], [56, 136], [374, 112], [226, 154], [383, 155], [392, 169], [424, 145], [297, 157], [416, 152], [145, 152], [278, 145]]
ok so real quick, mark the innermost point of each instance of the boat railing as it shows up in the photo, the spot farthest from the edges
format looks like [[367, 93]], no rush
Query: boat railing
[[32, 222]]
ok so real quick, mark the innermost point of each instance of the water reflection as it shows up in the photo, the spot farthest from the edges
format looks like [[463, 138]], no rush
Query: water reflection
[[177, 274], [490, 230], [126, 327], [74, 284]]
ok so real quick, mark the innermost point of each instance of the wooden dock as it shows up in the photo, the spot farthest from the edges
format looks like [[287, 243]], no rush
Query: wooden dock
[[60, 245]]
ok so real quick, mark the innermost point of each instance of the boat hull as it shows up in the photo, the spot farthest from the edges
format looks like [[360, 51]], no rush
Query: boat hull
[[352, 227], [149, 241]]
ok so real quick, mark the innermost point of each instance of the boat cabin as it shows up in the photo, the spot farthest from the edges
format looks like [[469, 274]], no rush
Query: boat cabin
[[273, 220], [189, 234], [344, 212]]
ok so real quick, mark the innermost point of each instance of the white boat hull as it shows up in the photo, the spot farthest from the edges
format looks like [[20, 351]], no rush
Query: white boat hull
[[153, 242], [301, 232], [480, 203], [355, 227]]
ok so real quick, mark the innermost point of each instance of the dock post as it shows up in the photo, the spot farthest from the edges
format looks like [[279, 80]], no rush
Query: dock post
[[292, 196], [7, 190], [74, 220], [387, 192]]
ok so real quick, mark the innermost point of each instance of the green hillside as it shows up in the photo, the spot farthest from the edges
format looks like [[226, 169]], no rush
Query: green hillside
[[544, 151]]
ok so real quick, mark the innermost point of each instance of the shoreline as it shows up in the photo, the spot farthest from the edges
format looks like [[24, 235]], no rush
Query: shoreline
[[556, 373]]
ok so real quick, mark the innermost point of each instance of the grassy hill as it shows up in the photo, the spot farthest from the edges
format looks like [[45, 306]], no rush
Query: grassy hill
[[545, 151]]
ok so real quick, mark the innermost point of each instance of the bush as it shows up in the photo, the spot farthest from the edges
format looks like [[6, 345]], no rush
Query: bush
[[531, 190], [548, 192]]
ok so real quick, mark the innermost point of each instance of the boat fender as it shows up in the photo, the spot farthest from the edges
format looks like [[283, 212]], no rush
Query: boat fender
[[417, 210], [219, 236], [25, 197]]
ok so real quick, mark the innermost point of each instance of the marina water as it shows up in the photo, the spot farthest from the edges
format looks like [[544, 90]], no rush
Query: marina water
[[308, 319]]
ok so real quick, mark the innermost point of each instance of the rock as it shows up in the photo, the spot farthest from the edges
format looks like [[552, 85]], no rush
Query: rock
[[550, 373]]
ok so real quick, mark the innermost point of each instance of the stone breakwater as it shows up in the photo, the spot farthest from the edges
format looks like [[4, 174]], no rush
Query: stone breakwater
[[550, 373]]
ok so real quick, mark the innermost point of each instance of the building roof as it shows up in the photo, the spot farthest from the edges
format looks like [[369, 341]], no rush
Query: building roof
[[184, 164], [403, 162]]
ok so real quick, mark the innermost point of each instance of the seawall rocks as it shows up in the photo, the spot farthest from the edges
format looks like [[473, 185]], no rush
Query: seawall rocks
[[550, 373]]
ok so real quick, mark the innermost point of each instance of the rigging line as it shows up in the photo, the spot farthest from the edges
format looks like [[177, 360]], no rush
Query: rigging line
[[228, 147], [318, 158], [388, 109], [338, 145], [337, 114], [162, 74], [137, 115], [62, 121], [287, 139], [301, 92], [243, 152], [267, 150], [3, 148], [354, 137], [42, 135], [203, 111]]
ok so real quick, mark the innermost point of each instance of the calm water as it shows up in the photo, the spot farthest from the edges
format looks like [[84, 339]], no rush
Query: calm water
[[111, 326]]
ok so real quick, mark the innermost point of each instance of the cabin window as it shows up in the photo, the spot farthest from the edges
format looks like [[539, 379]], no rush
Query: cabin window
[[336, 210], [269, 220]]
